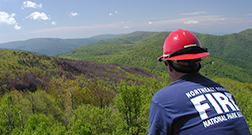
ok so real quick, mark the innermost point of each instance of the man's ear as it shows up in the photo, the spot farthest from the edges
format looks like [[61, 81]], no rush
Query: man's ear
[[169, 66], [165, 62]]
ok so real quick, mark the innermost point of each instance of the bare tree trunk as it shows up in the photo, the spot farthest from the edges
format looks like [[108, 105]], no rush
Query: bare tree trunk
[[21, 121], [9, 121]]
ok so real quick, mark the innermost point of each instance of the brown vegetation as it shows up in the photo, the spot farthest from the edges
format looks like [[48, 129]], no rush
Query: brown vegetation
[[31, 80]]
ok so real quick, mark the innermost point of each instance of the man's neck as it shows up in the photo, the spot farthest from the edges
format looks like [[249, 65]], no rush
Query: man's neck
[[177, 76]]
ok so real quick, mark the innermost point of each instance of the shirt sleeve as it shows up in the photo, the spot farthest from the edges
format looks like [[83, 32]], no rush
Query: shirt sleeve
[[159, 120]]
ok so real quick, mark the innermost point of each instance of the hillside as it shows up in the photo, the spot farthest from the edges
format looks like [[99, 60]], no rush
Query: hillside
[[49, 95], [24, 70], [233, 46], [53, 46], [231, 53]]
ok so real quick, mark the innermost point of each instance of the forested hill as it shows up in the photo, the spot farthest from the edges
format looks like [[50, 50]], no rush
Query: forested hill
[[234, 46], [53, 46], [28, 71], [56, 96], [230, 55], [48, 95]]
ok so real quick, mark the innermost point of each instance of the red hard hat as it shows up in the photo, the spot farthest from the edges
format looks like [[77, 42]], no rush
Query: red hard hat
[[182, 45]]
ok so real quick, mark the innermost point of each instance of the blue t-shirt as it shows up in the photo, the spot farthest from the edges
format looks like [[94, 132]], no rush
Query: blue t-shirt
[[195, 105]]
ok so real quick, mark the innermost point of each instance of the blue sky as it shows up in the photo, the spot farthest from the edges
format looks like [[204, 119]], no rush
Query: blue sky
[[22, 20]]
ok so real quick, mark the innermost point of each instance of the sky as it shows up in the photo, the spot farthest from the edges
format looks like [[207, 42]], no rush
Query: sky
[[22, 20]]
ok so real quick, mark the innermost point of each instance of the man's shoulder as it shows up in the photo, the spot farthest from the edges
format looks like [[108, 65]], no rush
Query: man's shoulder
[[178, 88], [170, 91]]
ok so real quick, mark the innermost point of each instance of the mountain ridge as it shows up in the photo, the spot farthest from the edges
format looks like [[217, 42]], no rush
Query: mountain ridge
[[233, 51], [236, 45], [53, 46]]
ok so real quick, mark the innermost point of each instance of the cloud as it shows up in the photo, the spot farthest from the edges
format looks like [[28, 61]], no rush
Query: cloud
[[130, 26], [29, 4], [111, 14], [17, 27], [194, 13], [73, 14], [86, 30], [9, 19], [6, 18], [249, 15], [126, 27], [191, 22], [38, 16], [53, 23]]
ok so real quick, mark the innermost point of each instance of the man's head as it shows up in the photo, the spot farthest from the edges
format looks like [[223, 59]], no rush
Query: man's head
[[182, 52], [185, 66]]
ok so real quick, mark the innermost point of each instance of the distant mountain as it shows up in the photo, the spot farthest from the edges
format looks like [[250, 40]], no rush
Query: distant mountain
[[108, 47], [231, 54], [53, 46], [235, 46]]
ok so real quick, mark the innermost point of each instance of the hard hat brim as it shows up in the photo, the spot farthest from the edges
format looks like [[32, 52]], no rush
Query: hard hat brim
[[186, 56]]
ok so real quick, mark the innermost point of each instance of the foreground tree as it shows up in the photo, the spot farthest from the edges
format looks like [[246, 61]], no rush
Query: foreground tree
[[129, 104], [10, 113], [40, 124], [40, 102], [91, 120]]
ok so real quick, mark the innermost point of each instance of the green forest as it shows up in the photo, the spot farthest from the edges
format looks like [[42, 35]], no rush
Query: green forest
[[105, 87]]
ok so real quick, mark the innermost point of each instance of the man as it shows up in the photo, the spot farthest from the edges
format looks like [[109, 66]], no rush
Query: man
[[192, 104]]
